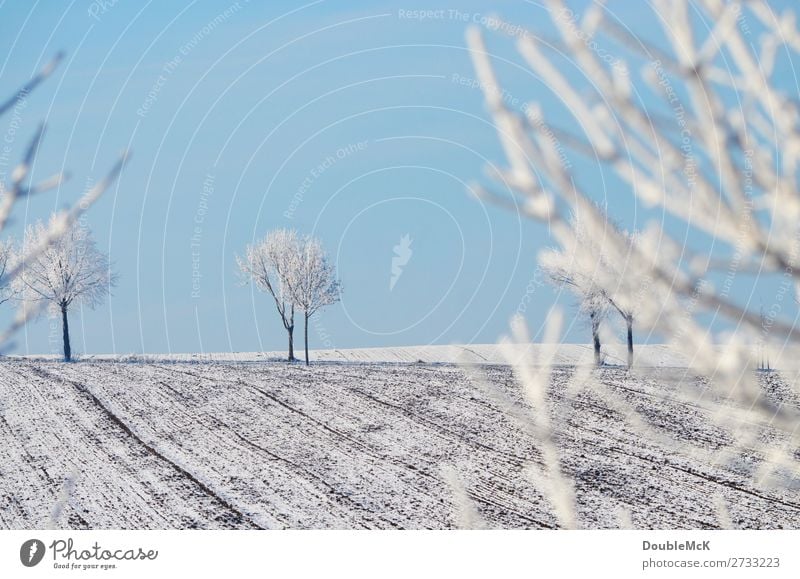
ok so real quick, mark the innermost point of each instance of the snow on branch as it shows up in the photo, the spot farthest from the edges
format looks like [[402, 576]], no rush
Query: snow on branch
[[296, 272], [19, 187], [702, 130]]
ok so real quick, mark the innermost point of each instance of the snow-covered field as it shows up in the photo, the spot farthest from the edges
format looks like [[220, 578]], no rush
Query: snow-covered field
[[341, 445], [647, 355]]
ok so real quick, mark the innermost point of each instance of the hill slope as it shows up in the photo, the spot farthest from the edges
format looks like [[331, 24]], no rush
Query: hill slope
[[220, 445]]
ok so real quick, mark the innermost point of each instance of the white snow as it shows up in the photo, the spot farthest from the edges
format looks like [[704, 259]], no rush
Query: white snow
[[647, 355], [107, 444]]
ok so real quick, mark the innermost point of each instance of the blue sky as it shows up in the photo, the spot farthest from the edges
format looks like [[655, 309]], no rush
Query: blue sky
[[346, 120]]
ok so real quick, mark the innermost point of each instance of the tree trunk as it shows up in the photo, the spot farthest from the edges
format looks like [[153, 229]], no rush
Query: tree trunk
[[290, 329], [596, 337], [306, 316], [629, 322], [65, 328]]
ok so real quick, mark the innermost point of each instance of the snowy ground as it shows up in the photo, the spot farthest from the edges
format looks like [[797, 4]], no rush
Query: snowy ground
[[229, 445], [651, 355], [647, 355]]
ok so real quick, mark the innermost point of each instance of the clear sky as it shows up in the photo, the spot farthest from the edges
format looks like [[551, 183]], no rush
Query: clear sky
[[353, 121]]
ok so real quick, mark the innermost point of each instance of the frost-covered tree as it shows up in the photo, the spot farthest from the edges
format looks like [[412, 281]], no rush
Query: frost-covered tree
[[69, 270], [624, 304], [21, 185], [7, 289], [312, 280], [583, 272], [592, 301], [699, 123], [716, 143], [269, 264]]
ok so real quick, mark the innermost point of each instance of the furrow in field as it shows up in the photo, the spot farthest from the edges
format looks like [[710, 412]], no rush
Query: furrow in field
[[226, 514], [355, 445], [271, 480], [417, 439], [70, 441], [344, 461]]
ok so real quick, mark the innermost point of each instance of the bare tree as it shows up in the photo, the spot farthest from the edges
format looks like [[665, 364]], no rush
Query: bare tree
[[69, 270], [312, 280], [20, 187], [269, 264]]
